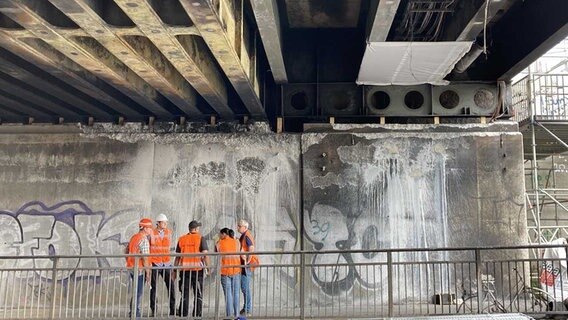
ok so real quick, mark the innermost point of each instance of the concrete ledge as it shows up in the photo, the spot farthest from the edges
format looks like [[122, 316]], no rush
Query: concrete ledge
[[500, 126]]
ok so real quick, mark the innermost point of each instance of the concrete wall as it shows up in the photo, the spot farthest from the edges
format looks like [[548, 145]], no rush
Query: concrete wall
[[373, 188], [77, 195], [404, 189]]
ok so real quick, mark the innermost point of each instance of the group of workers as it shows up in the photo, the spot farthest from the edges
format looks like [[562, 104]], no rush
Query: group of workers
[[236, 264]]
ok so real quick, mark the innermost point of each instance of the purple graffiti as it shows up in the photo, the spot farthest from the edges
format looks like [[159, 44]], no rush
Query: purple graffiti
[[68, 228]]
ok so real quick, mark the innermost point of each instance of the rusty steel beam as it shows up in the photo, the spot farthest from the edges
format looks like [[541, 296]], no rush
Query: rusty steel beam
[[18, 33], [109, 69], [25, 92], [8, 99], [56, 64], [205, 18], [153, 67], [195, 66], [178, 30], [268, 22], [383, 19], [49, 86], [10, 113], [476, 24]]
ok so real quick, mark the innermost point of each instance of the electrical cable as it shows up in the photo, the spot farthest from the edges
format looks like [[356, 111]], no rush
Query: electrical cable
[[500, 102], [485, 28]]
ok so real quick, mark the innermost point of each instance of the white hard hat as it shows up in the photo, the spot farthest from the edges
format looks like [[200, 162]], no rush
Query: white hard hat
[[162, 217]]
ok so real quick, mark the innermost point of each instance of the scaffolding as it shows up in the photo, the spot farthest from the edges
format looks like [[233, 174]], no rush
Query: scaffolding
[[540, 101]]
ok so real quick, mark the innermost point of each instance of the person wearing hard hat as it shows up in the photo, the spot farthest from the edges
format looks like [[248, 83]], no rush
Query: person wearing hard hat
[[139, 244], [160, 244]]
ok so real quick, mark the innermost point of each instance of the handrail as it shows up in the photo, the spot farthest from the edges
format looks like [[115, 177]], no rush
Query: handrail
[[299, 284], [307, 252], [549, 105]]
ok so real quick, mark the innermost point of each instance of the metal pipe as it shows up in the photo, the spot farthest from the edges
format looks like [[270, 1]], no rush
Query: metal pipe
[[135, 285], [53, 285], [268, 253], [302, 286], [466, 61], [552, 134], [217, 280], [555, 201], [478, 275], [535, 164], [390, 284]]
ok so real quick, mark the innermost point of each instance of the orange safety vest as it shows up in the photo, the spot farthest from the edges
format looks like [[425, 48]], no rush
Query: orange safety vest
[[190, 243], [159, 245], [229, 263], [134, 248], [254, 262]]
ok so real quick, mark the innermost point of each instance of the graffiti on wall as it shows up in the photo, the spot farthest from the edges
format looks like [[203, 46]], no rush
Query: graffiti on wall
[[366, 194], [358, 195], [216, 187], [66, 228]]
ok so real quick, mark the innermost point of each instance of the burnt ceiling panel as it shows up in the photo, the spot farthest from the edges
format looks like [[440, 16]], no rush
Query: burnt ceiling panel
[[323, 13]]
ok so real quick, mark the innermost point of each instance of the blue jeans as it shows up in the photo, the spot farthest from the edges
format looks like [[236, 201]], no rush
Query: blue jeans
[[246, 278], [231, 286], [139, 292]]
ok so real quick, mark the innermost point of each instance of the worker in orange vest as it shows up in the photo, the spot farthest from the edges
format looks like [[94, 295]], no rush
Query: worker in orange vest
[[192, 269], [160, 243], [139, 244], [230, 270], [248, 262]]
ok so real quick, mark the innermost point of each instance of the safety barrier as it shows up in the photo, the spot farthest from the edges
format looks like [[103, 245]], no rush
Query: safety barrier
[[298, 285], [548, 93]]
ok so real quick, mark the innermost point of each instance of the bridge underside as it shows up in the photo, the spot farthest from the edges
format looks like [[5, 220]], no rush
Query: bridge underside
[[196, 60], [177, 102]]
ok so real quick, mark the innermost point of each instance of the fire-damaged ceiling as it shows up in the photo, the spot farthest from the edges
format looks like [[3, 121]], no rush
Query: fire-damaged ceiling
[[191, 60]]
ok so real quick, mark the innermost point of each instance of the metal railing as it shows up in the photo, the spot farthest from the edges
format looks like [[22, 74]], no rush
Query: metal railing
[[521, 98], [547, 233], [299, 285], [548, 93]]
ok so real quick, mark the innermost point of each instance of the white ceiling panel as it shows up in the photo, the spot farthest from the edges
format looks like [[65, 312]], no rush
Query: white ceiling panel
[[410, 63]]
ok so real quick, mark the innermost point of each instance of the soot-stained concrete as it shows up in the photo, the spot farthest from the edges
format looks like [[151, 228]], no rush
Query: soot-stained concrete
[[73, 193]]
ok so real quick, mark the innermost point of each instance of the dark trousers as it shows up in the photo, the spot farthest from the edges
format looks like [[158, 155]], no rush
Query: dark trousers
[[166, 273], [195, 280]]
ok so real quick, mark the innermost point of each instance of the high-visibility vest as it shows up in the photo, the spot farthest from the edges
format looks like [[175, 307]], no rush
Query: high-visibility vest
[[254, 262], [134, 248], [159, 245], [190, 243], [229, 263]]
